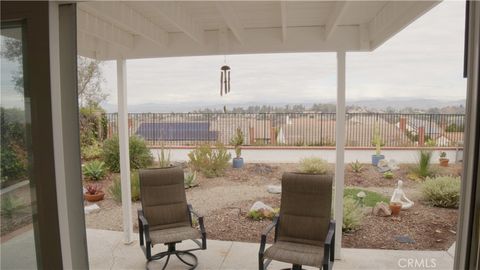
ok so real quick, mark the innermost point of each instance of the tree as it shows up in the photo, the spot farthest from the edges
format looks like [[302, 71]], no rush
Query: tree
[[90, 79]]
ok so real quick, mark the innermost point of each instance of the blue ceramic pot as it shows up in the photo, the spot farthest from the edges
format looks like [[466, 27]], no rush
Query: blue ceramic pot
[[237, 162], [376, 159]]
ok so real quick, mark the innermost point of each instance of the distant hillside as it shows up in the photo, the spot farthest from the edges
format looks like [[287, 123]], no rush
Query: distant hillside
[[374, 104]]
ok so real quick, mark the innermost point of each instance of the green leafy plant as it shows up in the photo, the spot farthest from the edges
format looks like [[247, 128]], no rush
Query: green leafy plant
[[13, 153], [140, 155], [91, 151], [356, 166], [388, 175], [352, 215], [377, 140], [262, 214], [442, 191], [94, 170], [443, 155], [190, 179], [423, 168], [212, 162], [115, 189], [370, 199], [10, 204], [237, 141], [313, 165], [163, 159]]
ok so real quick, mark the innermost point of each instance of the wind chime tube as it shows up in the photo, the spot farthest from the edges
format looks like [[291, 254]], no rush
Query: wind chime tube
[[228, 76], [221, 83]]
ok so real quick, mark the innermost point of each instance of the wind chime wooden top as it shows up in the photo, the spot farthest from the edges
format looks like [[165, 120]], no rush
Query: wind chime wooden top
[[224, 80]]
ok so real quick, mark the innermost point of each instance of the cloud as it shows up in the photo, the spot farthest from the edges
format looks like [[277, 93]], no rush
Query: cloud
[[425, 60]]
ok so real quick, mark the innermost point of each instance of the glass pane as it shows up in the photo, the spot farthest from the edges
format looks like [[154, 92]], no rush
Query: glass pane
[[17, 235]]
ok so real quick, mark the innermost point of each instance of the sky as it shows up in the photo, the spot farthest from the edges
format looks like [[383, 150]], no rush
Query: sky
[[423, 61]]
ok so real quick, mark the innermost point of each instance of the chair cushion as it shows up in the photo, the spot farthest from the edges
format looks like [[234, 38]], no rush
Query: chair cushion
[[172, 235], [295, 253]]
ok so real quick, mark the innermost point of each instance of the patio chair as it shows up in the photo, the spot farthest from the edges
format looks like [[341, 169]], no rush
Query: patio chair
[[304, 233], [165, 217]]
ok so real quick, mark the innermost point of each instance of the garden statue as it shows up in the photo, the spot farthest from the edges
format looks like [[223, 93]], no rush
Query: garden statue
[[399, 197]]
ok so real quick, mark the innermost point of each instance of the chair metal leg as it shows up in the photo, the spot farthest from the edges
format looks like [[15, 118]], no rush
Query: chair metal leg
[[178, 253]]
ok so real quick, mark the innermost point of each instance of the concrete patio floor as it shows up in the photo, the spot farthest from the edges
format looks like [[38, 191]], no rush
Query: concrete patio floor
[[107, 251]]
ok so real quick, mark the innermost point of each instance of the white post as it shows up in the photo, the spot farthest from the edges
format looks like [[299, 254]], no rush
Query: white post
[[124, 152], [340, 152]]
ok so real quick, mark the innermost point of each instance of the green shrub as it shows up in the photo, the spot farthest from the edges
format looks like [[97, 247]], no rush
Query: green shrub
[[13, 154], [115, 189], [93, 125], [313, 165], [371, 198], [352, 215], [262, 214], [190, 179], [92, 151], [237, 141], [10, 204], [442, 191], [388, 175], [13, 162], [94, 170], [356, 166], [140, 155], [211, 162], [422, 169]]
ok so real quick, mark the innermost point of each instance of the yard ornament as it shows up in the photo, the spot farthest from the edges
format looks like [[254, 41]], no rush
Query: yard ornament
[[400, 197], [224, 80]]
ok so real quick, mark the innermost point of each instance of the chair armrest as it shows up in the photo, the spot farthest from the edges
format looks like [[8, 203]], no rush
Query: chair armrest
[[263, 239], [329, 246], [143, 226], [199, 217]]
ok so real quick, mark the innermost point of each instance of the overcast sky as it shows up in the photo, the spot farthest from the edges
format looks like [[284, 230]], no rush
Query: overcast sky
[[425, 60]]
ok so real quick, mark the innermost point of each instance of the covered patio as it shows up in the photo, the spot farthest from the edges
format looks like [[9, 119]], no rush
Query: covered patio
[[131, 30]]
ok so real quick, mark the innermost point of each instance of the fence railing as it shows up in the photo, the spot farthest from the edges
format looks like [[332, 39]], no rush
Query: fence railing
[[293, 129]]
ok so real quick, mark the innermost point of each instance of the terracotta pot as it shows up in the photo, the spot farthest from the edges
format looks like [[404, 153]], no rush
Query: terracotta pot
[[395, 207], [444, 162], [94, 198]]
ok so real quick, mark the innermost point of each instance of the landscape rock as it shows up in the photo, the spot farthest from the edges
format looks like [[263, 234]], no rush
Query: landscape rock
[[274, 189], [92, 208], [382, 209], [258, 205], [383, 166], [404, 239], [393, 165]]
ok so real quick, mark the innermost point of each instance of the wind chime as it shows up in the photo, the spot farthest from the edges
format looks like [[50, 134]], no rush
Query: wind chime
[[224, 78]]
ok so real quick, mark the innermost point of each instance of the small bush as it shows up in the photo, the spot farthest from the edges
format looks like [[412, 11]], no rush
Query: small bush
[[94, 170], [10, 204], [140, 155], [352, 215], [422, 168], [13, 162], [211, 162], [190, 179], [115, 189], [262, 214], [443, 191], [237, 141], [356, 166], [93, 189], [313, 165], [91, 151], [388, 175]]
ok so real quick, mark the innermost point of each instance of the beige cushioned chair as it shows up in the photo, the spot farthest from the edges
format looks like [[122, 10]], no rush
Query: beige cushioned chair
[[165, 217], [304, 233]]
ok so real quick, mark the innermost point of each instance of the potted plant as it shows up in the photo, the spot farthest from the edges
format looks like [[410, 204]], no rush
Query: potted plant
[[377, 141], [443, 159], [395, 207], [237, 141], [93, 193]]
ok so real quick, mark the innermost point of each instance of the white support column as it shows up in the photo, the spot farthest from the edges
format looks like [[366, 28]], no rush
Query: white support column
[[340, 152], [124, 152]]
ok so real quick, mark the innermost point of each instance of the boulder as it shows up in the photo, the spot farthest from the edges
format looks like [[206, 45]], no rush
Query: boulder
[[260, 206], [92, 208], [274, 189], [393, 165], [383, 166], [382, 209]]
